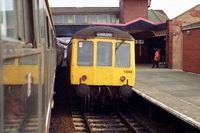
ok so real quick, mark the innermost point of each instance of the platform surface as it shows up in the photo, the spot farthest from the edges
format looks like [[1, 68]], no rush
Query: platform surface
[[175, 91]]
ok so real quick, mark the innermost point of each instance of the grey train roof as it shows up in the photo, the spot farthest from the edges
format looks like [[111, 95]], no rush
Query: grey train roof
[[91, 32]]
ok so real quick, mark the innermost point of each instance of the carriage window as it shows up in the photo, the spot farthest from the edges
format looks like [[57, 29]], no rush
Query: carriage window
[[48, 33], [9, 62], [122, 55], [104, 54], [28, 60], [8, 19], [85, 53]]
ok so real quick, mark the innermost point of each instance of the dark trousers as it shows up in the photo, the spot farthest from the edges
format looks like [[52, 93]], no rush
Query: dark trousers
[[155, 62]]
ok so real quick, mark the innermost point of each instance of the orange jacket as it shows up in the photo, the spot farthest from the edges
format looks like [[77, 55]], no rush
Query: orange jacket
[[157, 56]]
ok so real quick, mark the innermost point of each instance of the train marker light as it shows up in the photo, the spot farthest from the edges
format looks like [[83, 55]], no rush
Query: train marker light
[[122, 78], [84, 77]]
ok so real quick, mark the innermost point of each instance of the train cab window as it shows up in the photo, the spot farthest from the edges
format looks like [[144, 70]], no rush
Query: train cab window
[[85, 53], [8, 18], [122, 53], [104, 54]]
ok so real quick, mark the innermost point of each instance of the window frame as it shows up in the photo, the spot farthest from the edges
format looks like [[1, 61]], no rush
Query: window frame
[[79, 45], [111, 50], [117, 48]]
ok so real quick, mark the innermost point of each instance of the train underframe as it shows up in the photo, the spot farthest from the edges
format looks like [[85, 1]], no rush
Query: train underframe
[[101, 95]]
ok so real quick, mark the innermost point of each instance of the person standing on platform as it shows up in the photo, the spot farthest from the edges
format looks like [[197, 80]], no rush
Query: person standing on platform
[[156, 58]]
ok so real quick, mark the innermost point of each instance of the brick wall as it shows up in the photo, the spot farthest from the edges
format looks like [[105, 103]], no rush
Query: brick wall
[[133, 9], [191, 51], [169, 44], [187, 18]]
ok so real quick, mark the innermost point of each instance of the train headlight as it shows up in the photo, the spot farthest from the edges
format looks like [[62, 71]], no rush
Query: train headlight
[[123, 78], [84, 77]]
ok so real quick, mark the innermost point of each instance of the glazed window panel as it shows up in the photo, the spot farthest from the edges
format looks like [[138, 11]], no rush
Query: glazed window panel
[[70, 19], [122, 55], [104, 54], [21, 17], [9, 62], [8, 18], [93, 18], [104, 18], [109, 18], [113, 18], [28, 60], [99, 18], [85, 53], [79, 19]]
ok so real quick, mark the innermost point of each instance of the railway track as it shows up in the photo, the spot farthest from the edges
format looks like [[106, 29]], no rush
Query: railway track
[[67, 117], [106, 122], [28, 126]]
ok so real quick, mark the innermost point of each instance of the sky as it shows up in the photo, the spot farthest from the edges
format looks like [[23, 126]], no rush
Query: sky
[[172, 8]]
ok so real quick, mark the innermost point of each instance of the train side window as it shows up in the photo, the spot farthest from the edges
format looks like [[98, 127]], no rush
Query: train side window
[[85, 53], [28, 60], [20, 20], [28, 22], [104, 54], [9, 62], [122, 54], [48, 33], [53, 40], [8, 18]]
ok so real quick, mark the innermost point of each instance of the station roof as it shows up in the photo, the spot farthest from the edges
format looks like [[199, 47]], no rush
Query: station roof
[[157, 16], [153, 15], [140, 28], [191, 26], [156, 20], [83, 10], [136, 26]]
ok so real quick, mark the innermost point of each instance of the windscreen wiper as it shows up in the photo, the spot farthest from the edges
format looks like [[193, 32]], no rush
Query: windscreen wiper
[[119, 45]]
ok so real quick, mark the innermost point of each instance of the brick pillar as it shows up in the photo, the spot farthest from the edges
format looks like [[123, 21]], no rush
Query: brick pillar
[[169, 44], [133, 9]]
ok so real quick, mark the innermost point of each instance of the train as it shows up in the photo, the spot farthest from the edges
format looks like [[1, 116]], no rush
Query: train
[[101, 62], [28, 61]]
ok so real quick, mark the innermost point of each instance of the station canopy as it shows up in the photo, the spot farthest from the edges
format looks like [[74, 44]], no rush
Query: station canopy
[[139, 28]]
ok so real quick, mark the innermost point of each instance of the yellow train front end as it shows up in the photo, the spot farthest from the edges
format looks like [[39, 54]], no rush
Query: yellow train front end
[[103, 63], [103, 68]]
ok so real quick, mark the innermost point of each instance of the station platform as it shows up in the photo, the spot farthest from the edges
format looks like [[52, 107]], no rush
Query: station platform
[[175, 91]]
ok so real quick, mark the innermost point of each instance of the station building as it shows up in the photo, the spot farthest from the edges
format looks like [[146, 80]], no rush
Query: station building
[[148, 27], [183, 41], [191, 47], [151, 28]]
